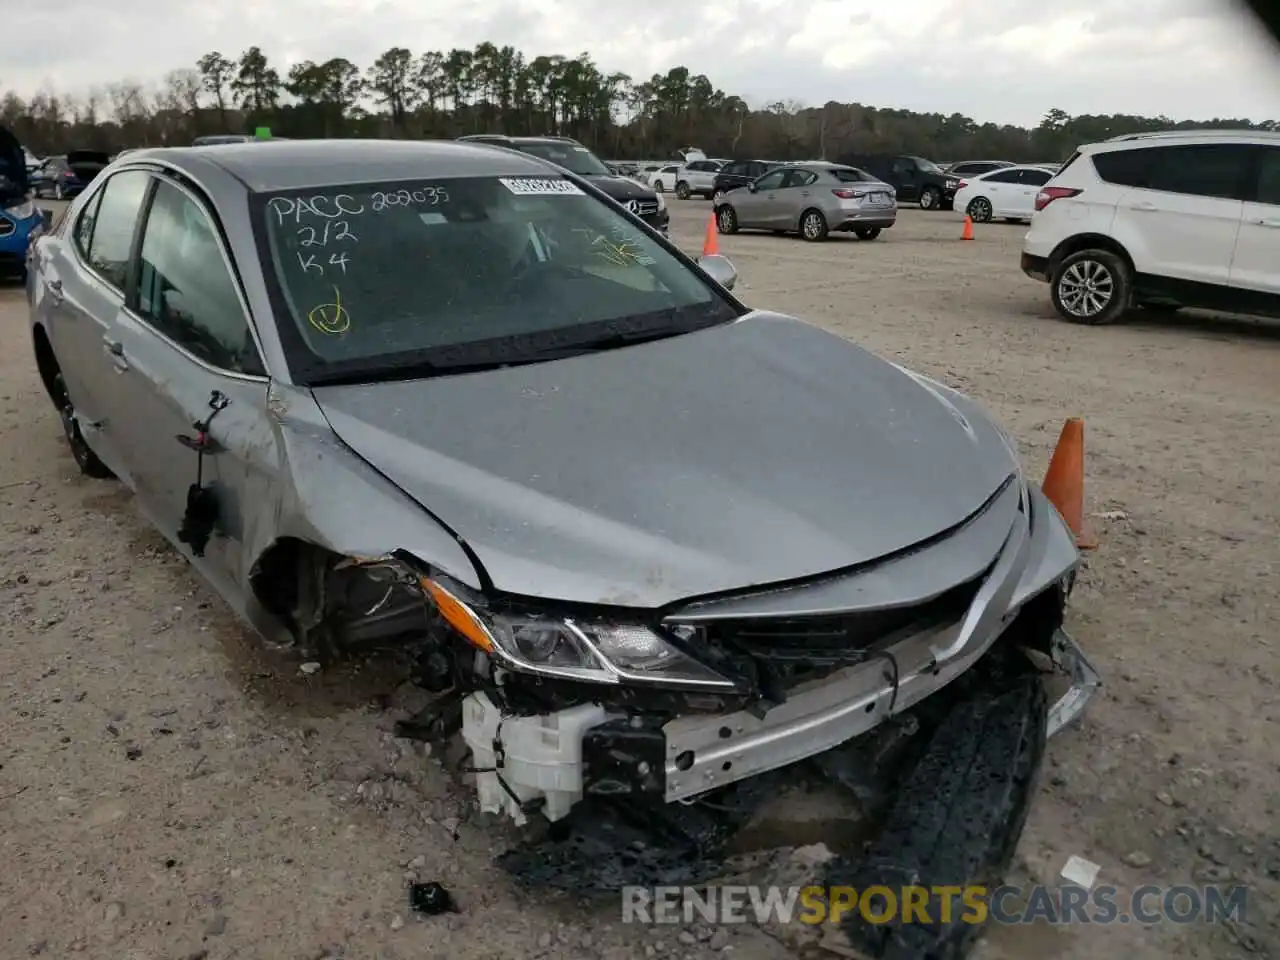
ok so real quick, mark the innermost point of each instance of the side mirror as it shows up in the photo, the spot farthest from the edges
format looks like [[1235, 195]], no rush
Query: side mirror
[[720, 268]]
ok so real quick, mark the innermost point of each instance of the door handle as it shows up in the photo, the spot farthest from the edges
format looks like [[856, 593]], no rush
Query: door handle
[[1144, 207], [116, 351], [1267, 223], [804, 193], [55, 289]]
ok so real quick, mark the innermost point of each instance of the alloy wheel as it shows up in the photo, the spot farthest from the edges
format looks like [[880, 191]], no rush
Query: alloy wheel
[[1086, 288]]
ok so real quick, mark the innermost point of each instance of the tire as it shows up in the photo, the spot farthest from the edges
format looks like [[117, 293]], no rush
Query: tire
[[682, 190], [726, 219], [866, 233], [930, 199], [85, 458], [980, 210], [813, 225], [658, 186], [1092, 287]]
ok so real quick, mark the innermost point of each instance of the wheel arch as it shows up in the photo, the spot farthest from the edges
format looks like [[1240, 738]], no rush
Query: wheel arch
[[46, 361], [1088, 241]]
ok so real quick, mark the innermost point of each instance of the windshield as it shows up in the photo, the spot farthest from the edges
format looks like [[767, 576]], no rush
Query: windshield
[[928, 166], [379, 280], [571, 156]]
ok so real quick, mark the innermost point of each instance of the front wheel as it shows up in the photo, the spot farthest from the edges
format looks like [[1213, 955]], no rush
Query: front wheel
[[658, 187], [866, 233], [682, 190], [930, 199], [85, 458], [1091, 287], [727, 219], [980, 210], [813, 226]]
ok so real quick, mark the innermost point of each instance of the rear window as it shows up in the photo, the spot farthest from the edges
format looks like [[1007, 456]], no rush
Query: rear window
[[851, 175], [1126, 168], [368, 277], [572, 156]]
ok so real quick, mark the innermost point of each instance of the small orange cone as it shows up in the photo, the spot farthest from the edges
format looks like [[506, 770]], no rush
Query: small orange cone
[[1064, 481], [968, 228], [711, 245]]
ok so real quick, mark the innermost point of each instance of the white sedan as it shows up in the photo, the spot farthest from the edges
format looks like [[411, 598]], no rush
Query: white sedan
[[1008, 193], [664, 179]]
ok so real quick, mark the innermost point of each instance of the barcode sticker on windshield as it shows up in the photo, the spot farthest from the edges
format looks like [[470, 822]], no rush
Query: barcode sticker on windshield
[[541, 187]]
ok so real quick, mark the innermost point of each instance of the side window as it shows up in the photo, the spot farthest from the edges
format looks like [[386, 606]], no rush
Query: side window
[[1004, 176], [1203, 170], [115, 220], [1125, 168], [185, 289], [84, 226], [1035, 178], [772, 181], [799, 178], [1269, 176]]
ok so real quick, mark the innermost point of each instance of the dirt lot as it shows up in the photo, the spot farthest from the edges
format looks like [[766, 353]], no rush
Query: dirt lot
[[168, 790]]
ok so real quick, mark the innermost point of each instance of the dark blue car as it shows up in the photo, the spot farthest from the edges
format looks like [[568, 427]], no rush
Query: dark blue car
[[63, 177], [20, 221]]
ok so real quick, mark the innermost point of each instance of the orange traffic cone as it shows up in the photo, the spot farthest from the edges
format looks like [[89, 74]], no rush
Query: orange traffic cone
[[1064, 481], [711, 245], [968, 228]]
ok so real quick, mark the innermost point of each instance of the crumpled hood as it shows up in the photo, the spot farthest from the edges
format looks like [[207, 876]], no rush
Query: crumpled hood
[[622, 188], [751, 453], [14, 182]]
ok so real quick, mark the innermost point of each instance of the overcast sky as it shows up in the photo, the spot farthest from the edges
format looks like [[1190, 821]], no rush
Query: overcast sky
[[999, 60]]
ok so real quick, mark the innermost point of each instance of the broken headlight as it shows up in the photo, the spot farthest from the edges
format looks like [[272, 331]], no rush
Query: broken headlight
[[595, 651]]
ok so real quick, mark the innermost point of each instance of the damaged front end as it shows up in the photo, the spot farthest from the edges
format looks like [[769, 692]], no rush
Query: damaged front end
[[920, 684]]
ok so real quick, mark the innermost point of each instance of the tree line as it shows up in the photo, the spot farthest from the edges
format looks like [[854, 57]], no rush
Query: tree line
[[498, 89]]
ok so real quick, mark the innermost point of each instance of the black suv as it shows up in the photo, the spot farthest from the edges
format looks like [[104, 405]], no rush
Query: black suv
[[738, 173], [574, 157], [916, 179]]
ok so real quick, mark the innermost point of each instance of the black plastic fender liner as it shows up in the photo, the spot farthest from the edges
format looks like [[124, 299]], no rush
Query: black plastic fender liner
[[956, 819]]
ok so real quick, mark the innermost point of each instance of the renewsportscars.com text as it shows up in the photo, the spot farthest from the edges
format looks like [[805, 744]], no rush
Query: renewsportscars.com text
[[1067, 904]]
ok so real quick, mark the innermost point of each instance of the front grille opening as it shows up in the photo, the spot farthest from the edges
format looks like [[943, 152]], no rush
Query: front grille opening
[[779, 654]]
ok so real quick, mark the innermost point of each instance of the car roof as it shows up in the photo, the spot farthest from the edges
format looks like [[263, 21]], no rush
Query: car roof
[[1180, 138], [306, 163]]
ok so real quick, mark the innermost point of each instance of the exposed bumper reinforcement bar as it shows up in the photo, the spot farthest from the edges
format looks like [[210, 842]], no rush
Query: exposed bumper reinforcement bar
[[704, 753]]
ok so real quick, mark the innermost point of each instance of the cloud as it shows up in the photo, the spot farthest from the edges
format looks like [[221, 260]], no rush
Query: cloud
[[998, 60]]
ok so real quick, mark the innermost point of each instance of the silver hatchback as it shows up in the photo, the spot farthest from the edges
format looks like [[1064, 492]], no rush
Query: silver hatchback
[[813, 199]]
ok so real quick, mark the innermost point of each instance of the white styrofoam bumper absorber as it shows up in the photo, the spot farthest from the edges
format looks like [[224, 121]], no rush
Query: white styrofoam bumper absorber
[[539, 756]]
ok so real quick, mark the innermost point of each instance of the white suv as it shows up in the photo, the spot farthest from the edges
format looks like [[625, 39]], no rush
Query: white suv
[[1161, 221]]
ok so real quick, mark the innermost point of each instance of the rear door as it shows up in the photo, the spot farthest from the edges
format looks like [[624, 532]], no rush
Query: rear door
[[184, 340], [795, 196], [1024, 200], [905, 178], [1002, 189], [757, 208], [1180, 218], [1256, 264], [82, 290]]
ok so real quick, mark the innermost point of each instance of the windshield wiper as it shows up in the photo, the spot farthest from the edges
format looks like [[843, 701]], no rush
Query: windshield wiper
[[608, 341]]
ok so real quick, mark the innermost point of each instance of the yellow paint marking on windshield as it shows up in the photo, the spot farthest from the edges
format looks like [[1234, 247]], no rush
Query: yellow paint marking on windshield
[[623, 253], [330, 318]]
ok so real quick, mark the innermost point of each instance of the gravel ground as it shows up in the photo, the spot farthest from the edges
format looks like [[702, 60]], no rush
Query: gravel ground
[[170, 790]]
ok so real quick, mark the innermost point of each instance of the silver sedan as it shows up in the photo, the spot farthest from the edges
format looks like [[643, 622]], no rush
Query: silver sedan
[[812, 199], [648, 546]]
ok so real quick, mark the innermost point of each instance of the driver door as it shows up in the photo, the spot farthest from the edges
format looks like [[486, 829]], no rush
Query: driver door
[[906, 179], [757, 204]]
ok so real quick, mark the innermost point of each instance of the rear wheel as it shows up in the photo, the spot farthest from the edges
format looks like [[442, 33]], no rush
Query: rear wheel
[[658, 186], [726, 219], [813, 225], [1092, 287], [980, 210], [85, 458], [682, 190], [866, 233], [930, 199]]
